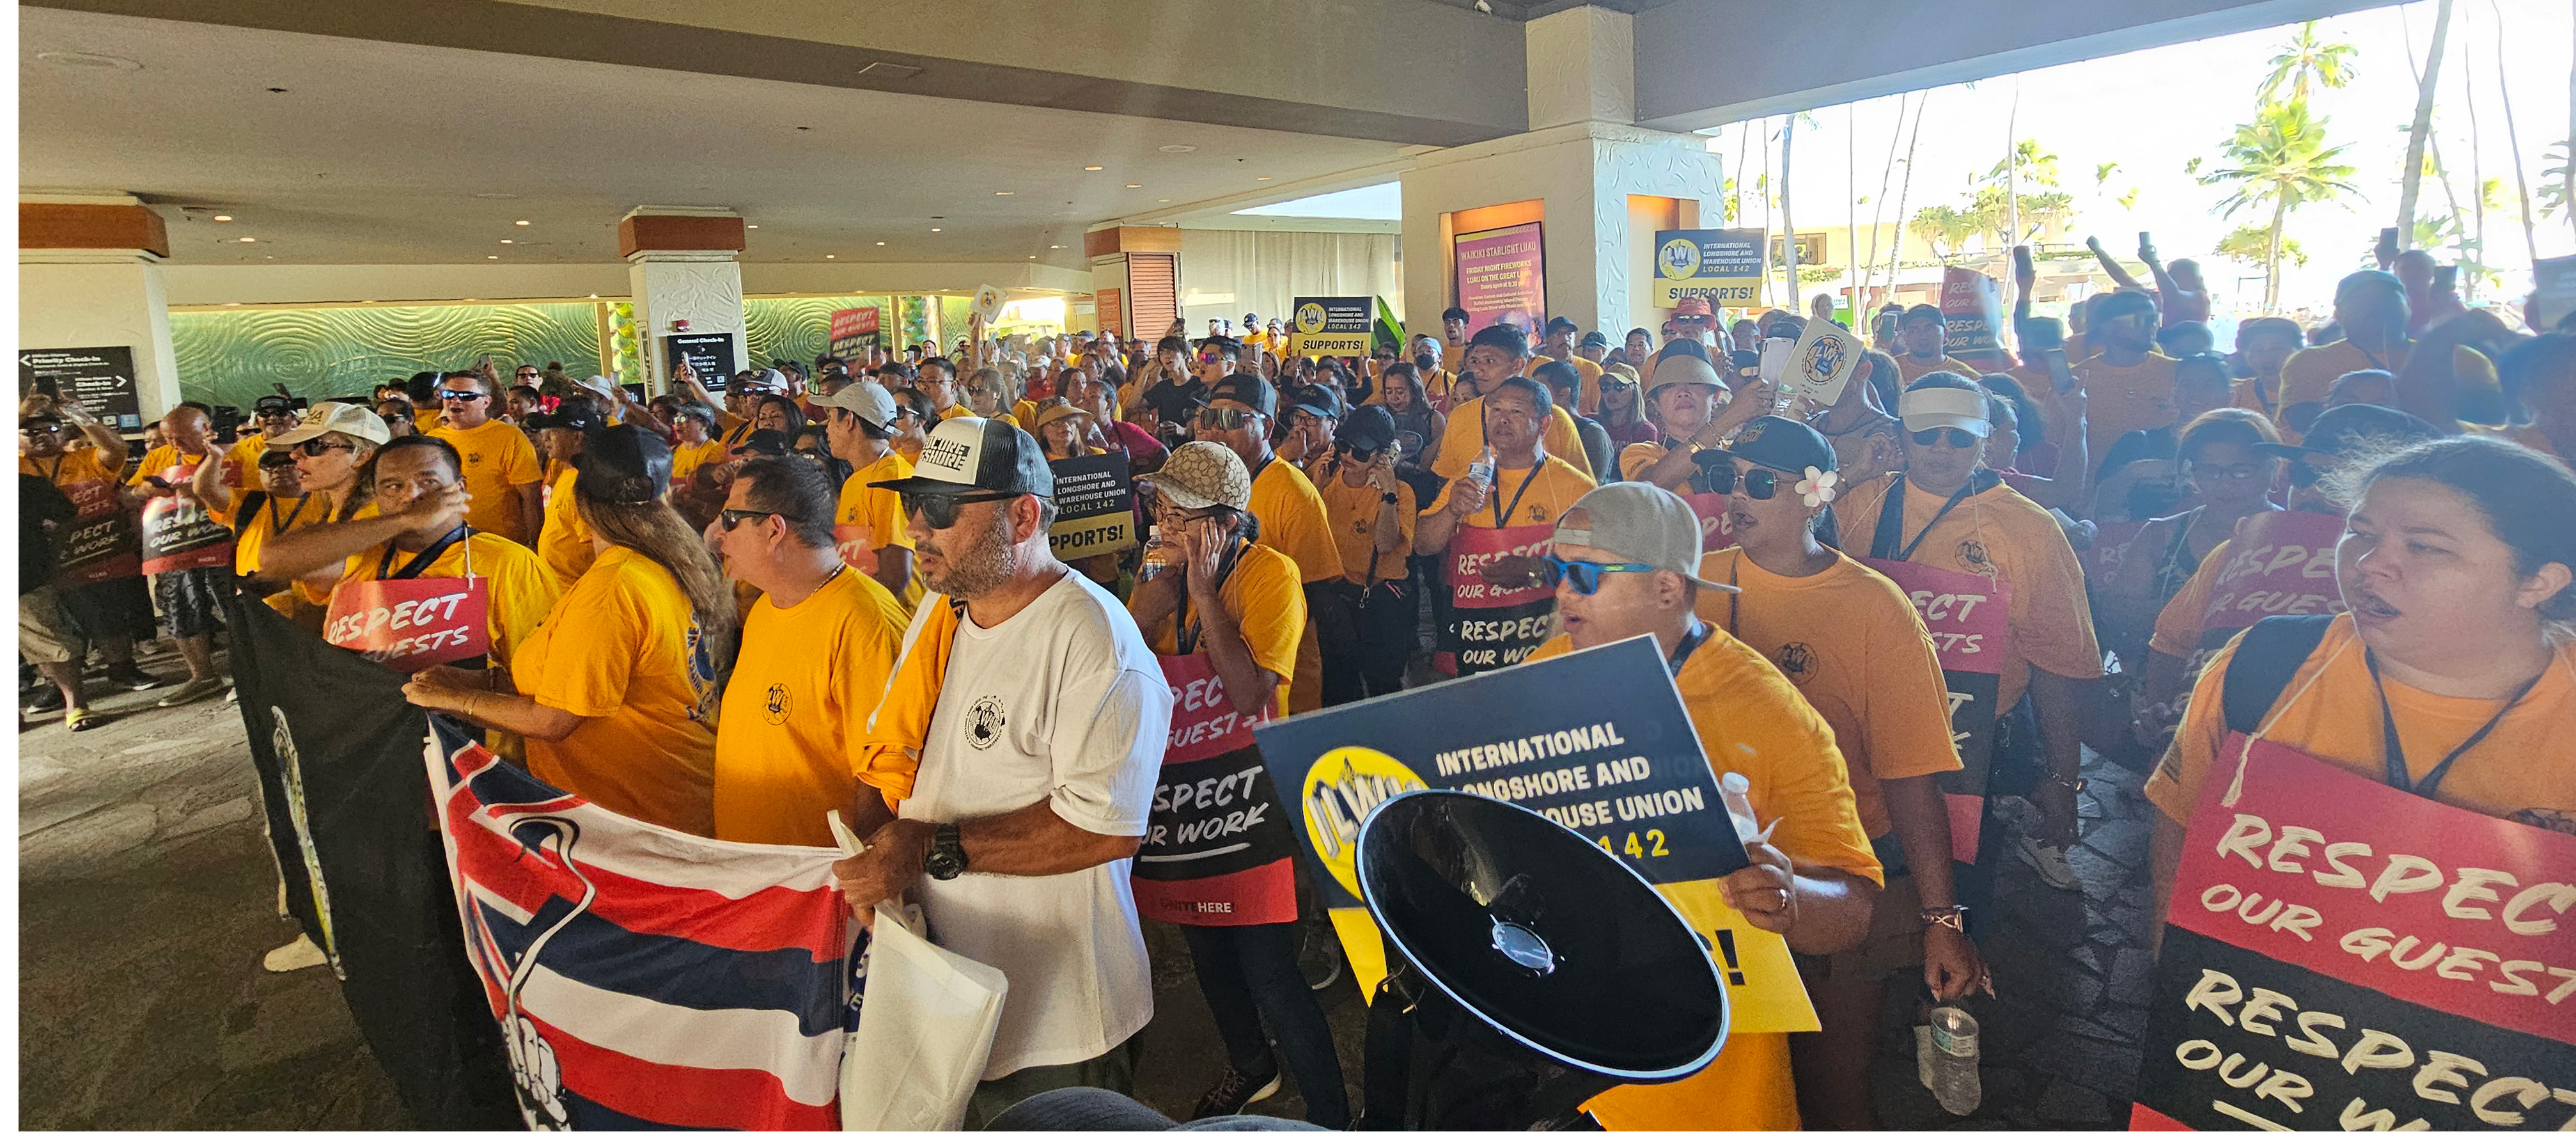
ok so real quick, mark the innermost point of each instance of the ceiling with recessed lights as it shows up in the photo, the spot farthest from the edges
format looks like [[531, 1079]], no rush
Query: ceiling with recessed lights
[[327, 150]]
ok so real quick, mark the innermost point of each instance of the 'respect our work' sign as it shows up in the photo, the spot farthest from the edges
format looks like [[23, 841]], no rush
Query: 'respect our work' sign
[[1502, 276], [1095, 506], [1972, 315], [1596, 740], [853, 331], [1330, 324], [2340, 954], [1720, 265]]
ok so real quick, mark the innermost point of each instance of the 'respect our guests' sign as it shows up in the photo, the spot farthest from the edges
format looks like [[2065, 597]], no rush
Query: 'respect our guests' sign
[[411, 624], [1490, 624], [1217, 845], [1502, 276], [100, 380], [1095, 504], [1330, 324], [2341, 954], [1596, 740], [1720, 265], [1966, 615], [853, 331]]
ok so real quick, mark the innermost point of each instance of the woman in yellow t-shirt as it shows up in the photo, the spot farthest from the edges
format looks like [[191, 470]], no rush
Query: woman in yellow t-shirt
[[332, 450], [616, 692], [2456, 565], [280, 506]]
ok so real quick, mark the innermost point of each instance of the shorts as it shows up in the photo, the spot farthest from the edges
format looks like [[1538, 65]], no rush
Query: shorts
[[45, 633], [1894, 945], [112, 608], [192, 599]]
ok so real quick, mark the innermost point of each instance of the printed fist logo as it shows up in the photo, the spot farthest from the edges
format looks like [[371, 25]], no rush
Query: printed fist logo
[[984, 722], [1796, 661], [1310, 318], [1678, 259], [774, 708]]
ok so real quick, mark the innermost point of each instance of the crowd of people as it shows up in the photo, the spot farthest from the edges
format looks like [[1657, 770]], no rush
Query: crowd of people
[[731, 611]]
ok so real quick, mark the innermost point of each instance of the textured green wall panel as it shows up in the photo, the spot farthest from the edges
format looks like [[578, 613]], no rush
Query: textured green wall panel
[[797, 328], [231, 357]]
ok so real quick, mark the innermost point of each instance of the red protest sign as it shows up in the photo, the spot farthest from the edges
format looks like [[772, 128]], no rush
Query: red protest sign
[[2277, 563], [1715, 532], [2340, 951], [411, 624], [1217, 845], [178, 531], [1492, 625], [100, 543], [1966, 615]]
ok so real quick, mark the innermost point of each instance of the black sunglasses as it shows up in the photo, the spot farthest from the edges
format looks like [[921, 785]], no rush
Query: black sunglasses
[[1211, 417], [38, 430], [733, 517], [1959, 438], [939, 509], [317, 446], [1586, 577], [1759, 484], [461, 396]]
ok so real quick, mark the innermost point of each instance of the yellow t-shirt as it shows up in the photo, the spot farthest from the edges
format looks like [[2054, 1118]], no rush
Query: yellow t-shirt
[[1293, 521], [870, 518], [498, 462], [520, 593], [797, 707], [958, 410], [1907, 369], [1353, 511], [1264, 595], [1751, 720], [275, 518], [241, 464], [2118, 399], [1588, 393], [1465, 438], [72, 466], [623, 650], [1553, 486], [435, 417], [2524, 771], [1849, 640], [2309, 372], [162, 460], [2000, 535], [1024, 413], [565, 543], [685, 461]]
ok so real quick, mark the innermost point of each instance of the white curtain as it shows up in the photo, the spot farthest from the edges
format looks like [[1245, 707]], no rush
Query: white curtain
[[1262, 271]]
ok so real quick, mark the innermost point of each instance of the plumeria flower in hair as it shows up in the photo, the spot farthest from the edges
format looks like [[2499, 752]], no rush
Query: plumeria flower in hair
[[1816, 488]]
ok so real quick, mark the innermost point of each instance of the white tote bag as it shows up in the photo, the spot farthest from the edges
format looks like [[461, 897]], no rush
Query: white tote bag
[[924, 1032]]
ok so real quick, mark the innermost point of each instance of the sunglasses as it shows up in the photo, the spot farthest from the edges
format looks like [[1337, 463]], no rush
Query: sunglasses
[[733, 517], [461, 396], [1759, 484], [1214, 418], [1586, 577], [39, 430], [317, 446], [1958, 438], [940, 509]]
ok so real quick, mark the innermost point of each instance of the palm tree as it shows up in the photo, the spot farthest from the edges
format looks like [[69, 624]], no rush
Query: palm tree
[[2280, 159], [1944, 228], [2412, 179], [2304, 61], [2250, 243], [2513, 140]]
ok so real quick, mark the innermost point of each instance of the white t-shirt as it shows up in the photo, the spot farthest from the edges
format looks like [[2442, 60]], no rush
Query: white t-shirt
[[1063, 702]]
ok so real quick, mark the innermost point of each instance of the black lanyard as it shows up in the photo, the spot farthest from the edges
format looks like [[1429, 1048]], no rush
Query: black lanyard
[[1186, 630], [1523, 490], [1891, 515], [1692, 640], [421, 562], [2393, 753], [277, 528]]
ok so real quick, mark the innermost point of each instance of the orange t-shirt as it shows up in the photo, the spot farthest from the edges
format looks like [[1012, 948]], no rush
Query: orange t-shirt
[[1267, 601], [797, 707], [2118, 399], [1908, 369], [1353, 511]]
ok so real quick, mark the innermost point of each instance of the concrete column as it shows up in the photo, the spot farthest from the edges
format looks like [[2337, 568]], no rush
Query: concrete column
[[1598, 184], [89, 275], [681, 265]]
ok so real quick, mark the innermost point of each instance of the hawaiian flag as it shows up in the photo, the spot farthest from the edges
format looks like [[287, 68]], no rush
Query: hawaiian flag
[[643, 977]]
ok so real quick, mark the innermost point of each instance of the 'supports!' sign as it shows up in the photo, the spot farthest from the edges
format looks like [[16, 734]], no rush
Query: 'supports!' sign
[[1596, 740], [2340, 954], [1327, 324], [1095, 506], [1218, 847], [1502, 276], [1720, 265]]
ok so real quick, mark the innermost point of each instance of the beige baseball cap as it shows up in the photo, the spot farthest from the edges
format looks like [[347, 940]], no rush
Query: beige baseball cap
[[1204, 474], [359, 422]]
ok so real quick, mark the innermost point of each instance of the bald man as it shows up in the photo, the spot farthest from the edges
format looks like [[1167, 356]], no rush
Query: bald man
[[177, 487]]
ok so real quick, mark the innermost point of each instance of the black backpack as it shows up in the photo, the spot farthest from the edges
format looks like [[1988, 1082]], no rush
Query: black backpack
[[2268, 655]]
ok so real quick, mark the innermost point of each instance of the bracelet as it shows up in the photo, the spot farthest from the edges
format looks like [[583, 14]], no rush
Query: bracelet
[[1955, 917]]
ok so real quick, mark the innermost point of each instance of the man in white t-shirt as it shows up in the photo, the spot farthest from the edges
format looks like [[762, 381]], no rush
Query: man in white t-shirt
[[1038, 751]]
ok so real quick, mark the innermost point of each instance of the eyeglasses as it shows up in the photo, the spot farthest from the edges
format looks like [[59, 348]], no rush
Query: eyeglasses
[[733, 517], [2238, 473], [317, 446], [1211, 417], [1586, 577], [1958, 438], [462, 395], [939, 509], [1759, 484]]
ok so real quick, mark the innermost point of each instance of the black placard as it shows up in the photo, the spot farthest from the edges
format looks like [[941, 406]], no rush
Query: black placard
[[100, 380], [709, 354]]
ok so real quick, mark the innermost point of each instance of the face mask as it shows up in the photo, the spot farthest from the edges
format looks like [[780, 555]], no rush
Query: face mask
[[1425, 362]]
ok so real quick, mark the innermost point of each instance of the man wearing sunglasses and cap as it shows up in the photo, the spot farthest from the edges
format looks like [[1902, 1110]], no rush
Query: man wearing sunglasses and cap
[[1625, 561], [1949, 525], [112, 607], [1693, 319], [501, 467], [1850, 641], [1019, 740], [270, 416]]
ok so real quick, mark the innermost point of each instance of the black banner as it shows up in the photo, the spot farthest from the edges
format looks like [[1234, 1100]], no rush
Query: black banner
[[339, 757], [98, 379], [1095, 504]]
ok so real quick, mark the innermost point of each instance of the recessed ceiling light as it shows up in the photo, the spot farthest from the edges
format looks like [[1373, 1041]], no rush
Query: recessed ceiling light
[[1134, 185], [509, 242], [491, 257], [1091, 169], [1001, 192], [1261, 179], [520, 223], [88, 59], [250, 240], [934, 230], [1055, 246], [751, 226], [1162, 200], [829, 256], [1033, 257], [222, 217], [1179, 149]]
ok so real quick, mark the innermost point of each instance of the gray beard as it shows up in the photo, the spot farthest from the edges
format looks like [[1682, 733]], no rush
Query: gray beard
[[977, 569]]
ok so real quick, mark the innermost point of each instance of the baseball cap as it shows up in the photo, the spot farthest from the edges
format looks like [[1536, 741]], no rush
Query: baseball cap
[[2345, 430], [1321, 401], [2269, 325], [1248, 389], [1919, 311], [1203, 474], [273, 403], [1561, 323], [2115, 305], [1680, 369], [1778, 443], [1054, 410], [41, 417], [867, 399], [276, 458], [1943, 407], [1368, 430], [623, 464], [573, 413], [974, 454], [1593, 338], [1640, 523], [360, 422], [1693, 305], [1619, 372], [766, 442]]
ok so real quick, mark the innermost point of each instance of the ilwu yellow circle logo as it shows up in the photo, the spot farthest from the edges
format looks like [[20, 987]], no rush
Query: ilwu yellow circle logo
[[1678, 259], [1342, 786], [1310, 318]]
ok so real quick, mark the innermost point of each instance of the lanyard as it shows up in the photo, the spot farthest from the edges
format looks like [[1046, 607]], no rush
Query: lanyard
[[54, 474], [421, 562], [1523, 490], [1186, 636], [1692, 640], [1891, 517], [277, 528], [2393, 753]]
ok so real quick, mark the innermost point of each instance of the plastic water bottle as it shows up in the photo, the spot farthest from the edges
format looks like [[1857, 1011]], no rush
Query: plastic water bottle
[[1953, 1033], [1482, 470], [1158, 555]]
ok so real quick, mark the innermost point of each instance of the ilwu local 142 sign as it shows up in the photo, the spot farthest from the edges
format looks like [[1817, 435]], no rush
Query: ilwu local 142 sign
[[1720, 265], [1337, 324]]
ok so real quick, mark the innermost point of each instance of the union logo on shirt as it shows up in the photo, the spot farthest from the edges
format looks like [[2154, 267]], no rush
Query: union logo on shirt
[[774, 707], [1797, 662], [985, 721]]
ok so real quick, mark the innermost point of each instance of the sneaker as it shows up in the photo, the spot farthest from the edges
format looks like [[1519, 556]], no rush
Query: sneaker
[[134, 677], [300, 953], [2050, 862], [1233, 1093], [45, 700], [1319, 957], [197, 689]]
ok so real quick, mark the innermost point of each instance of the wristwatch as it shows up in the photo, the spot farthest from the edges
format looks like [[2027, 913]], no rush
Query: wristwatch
[[1956, 917], [1386, 497], [947, 857]]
